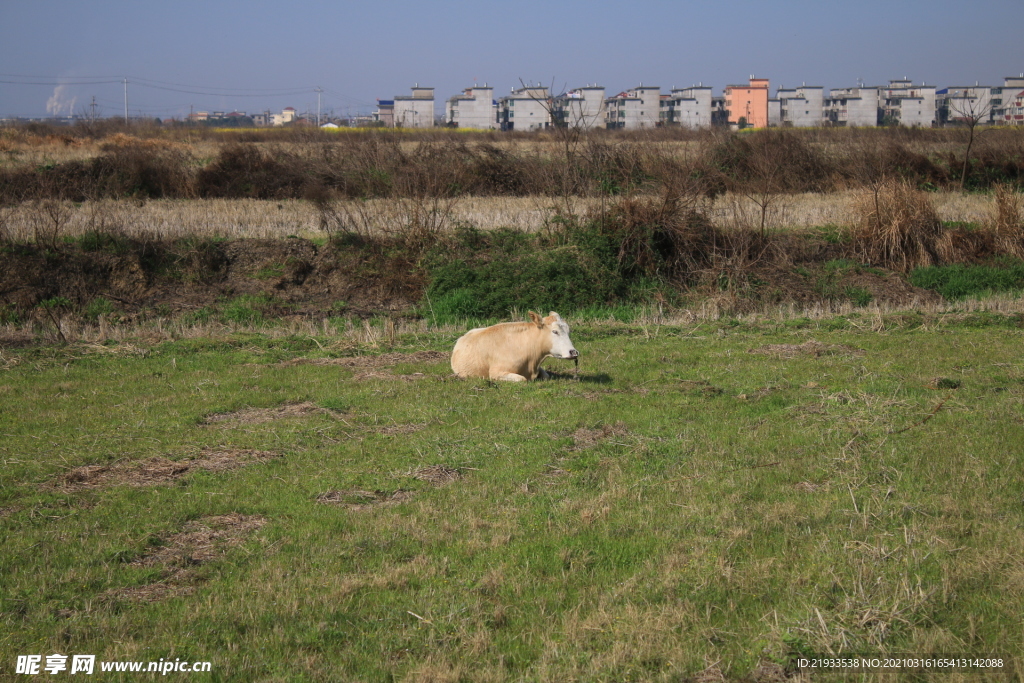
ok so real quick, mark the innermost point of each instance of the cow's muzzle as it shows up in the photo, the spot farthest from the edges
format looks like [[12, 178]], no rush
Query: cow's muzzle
[[573, 353]]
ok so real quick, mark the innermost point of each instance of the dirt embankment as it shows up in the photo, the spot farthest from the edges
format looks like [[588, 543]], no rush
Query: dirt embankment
[[296, 277], [291, 276]]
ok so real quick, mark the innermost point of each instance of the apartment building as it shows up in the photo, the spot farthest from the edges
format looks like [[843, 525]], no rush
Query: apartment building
[[1006, 104], [1011, 102], [801, 107], [581, 108], [526, 108], [415, 110], [633, 109], [474, 108], [748, 104], [688, 107], [906, 104], [856, 106], [385, 114], [971, 102]]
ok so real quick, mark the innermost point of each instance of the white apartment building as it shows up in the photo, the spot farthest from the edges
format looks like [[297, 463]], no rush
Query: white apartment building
[[287, 115], [906, 104], [474, 108], [581, 108], [633, 109], [960, 103], [687, 107], [416, 110], [1006, 101], [801, 107], [526, 108], [852, 107]]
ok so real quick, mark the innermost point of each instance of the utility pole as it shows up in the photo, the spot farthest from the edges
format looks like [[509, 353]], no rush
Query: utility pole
[[126, 100], [92, 109], [318, 91]]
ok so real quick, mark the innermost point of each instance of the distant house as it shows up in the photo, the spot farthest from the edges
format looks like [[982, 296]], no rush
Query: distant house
[[748, 104], [526, 108], [385, 114], [581, 108], [797, 107], [856, 106], [687, 107], [906, 104], [1012, 110], [287, 115], [960, 103], [474, 108], [416, 110], [633, 109]]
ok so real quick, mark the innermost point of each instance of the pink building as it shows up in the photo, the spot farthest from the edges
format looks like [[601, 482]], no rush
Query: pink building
[[748, 102]]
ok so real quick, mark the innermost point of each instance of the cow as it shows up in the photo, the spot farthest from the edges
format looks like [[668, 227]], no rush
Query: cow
[[513, 351]]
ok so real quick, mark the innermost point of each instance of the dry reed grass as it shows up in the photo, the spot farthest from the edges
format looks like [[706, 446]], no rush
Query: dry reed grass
[[897, 226], [238, 218], [1007, 221]]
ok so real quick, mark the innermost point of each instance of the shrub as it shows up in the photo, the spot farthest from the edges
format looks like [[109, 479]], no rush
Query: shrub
[[897, 227], [512, 271], [664, 239]]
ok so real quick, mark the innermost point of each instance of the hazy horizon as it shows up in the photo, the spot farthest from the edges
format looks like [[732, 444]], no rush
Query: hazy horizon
[[56, 56]]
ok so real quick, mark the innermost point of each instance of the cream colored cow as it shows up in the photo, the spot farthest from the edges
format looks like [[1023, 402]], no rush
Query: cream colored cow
[[513, 351]]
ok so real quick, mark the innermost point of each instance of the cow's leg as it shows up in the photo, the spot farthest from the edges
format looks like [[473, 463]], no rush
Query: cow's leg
[[508, 376]]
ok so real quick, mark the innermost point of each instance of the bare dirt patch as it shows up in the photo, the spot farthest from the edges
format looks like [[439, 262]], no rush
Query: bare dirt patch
[[808, 348], [699, 386], [253, 416], [363, 500], [158, 470], [384, 360], [586, 437], [201, 541]]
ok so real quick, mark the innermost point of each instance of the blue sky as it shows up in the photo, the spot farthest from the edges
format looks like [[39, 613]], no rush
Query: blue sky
[[225, 55]]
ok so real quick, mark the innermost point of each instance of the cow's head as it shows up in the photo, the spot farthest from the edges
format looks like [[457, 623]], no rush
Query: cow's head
[[561, 345]]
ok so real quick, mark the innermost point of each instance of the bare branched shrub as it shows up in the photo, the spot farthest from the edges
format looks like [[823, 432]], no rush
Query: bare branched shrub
[[897, 227], [49, 218], [667, 237]]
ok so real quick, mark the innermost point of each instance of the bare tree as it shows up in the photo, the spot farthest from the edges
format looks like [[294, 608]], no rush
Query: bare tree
[[971, 112], [765, 182]]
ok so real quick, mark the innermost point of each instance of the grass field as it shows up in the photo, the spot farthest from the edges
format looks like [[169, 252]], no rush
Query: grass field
[[708, 500]]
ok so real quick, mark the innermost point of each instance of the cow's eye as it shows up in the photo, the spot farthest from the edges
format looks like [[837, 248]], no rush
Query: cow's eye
[[555, 331]]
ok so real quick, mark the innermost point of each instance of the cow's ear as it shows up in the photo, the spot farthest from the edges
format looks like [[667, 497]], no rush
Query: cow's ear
[[536, 319]]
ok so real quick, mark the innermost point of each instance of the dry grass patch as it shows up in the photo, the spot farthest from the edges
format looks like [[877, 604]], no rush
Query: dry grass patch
[[438, 475], [587, 437], [354, 499], [808, 348], [898, 227], [201, 541], [158, 470], [253, 416]]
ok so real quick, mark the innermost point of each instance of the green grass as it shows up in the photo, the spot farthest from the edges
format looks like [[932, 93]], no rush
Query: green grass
[[958, 281], [685, 504]]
